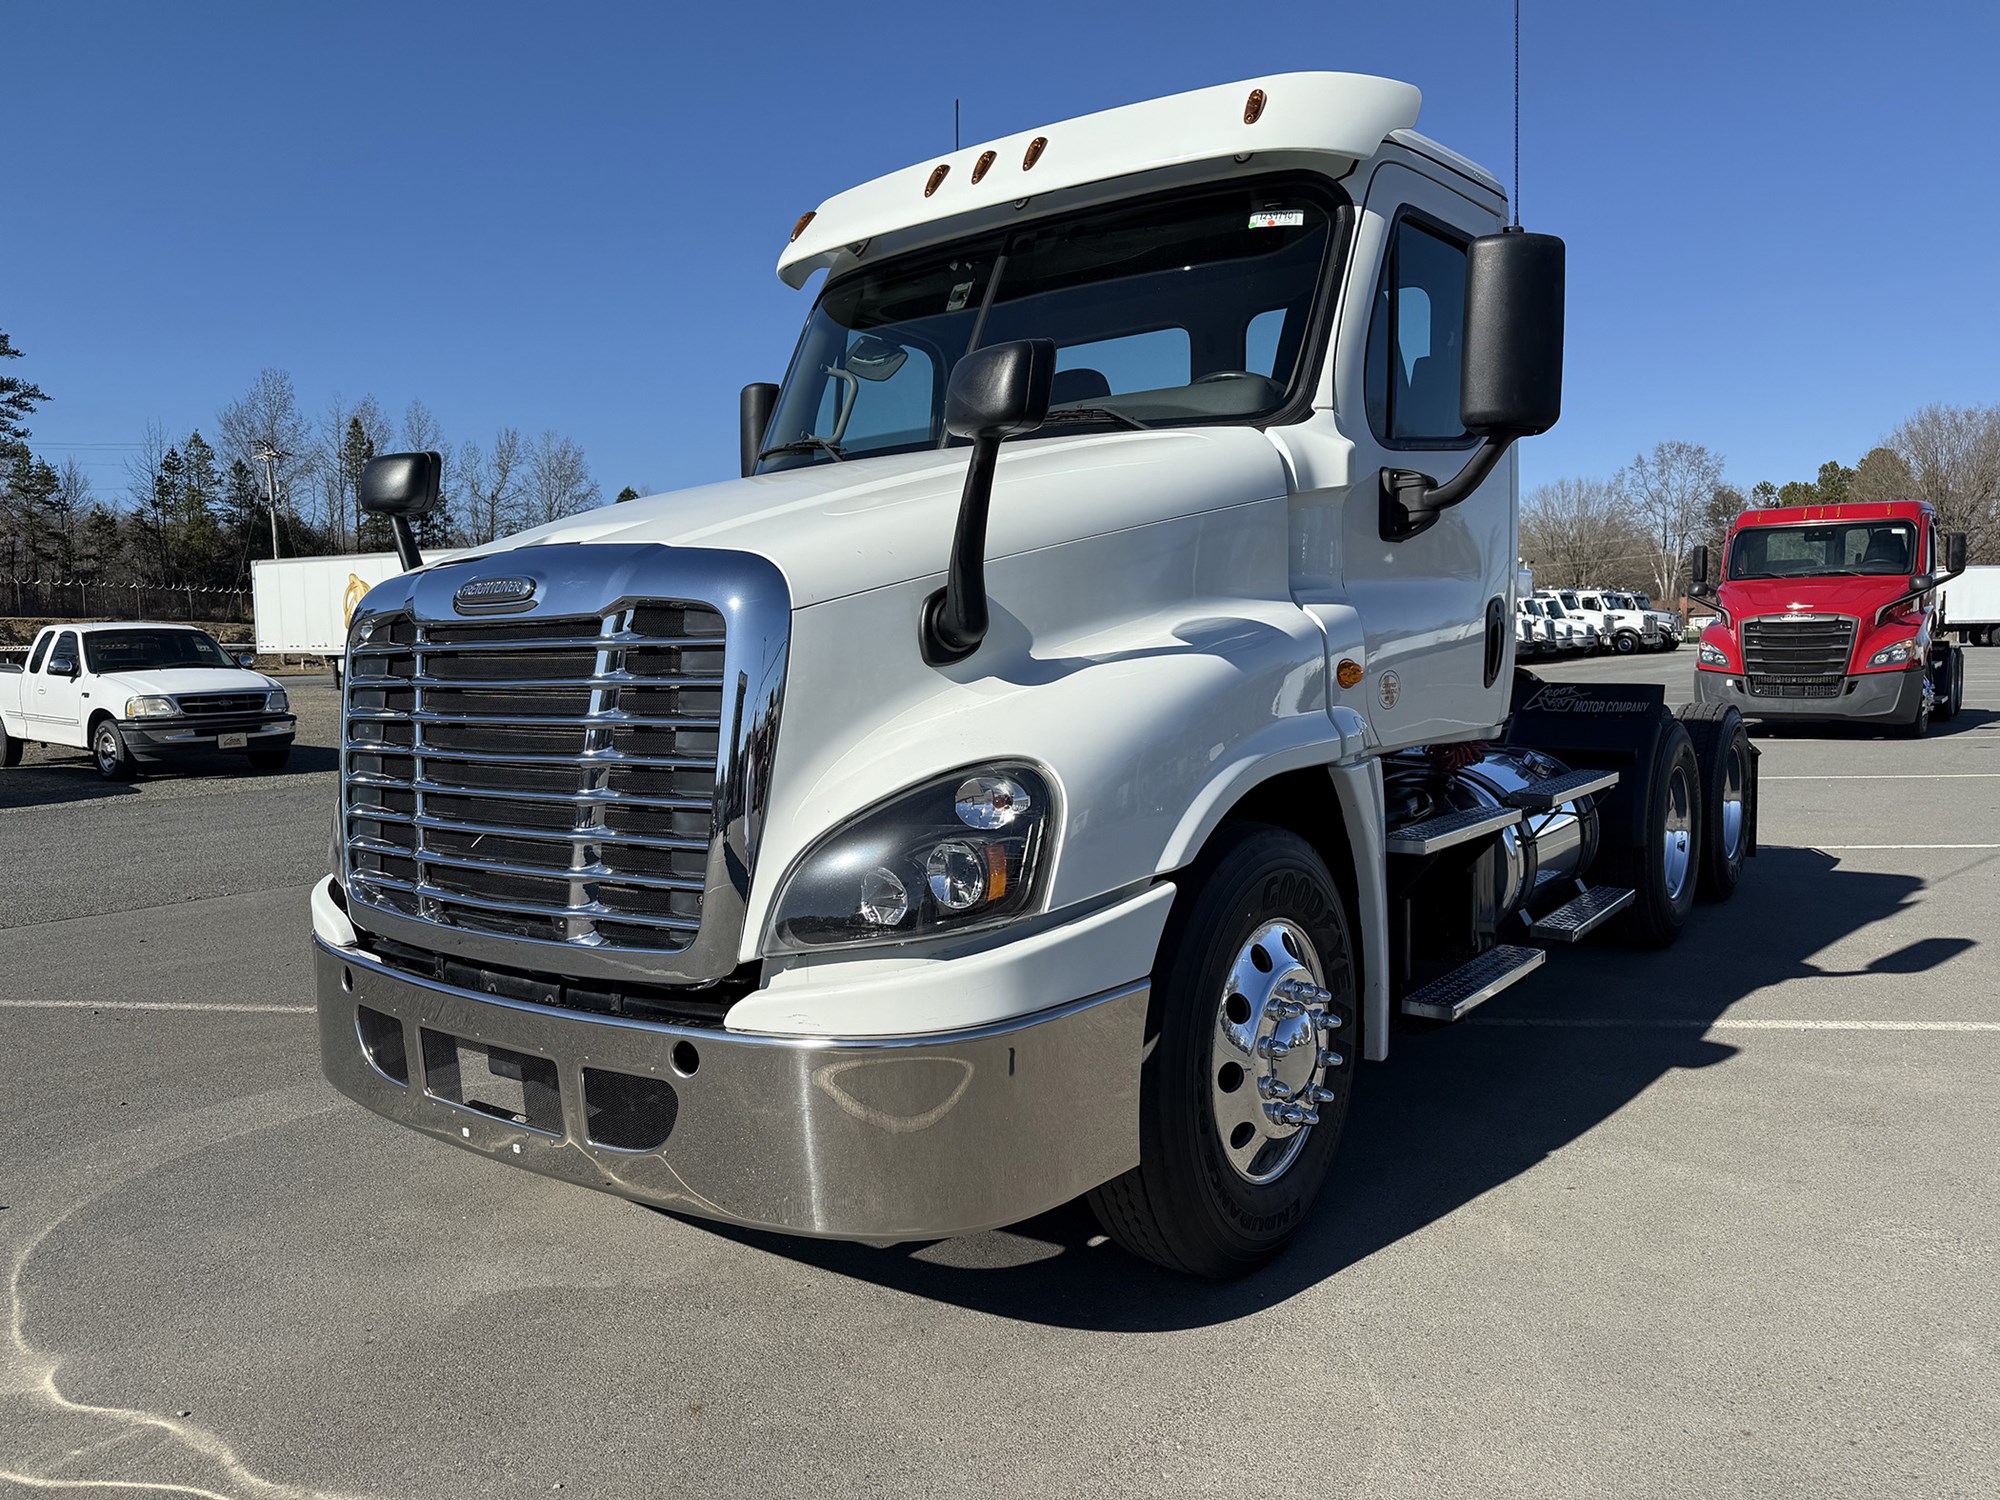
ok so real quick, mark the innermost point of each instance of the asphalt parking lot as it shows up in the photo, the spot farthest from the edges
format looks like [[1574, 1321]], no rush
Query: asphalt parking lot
[[1715, 1222]]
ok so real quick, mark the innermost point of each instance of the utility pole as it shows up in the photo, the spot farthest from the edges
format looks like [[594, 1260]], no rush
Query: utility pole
[[269, 456]]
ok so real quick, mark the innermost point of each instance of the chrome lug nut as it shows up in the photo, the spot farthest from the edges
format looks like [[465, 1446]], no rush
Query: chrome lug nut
[[1321, 1095]]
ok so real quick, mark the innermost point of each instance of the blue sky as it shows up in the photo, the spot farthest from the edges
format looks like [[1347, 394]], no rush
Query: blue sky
[[1781, 217]]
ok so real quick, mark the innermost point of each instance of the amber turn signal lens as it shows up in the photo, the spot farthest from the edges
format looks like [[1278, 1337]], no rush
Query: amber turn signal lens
[[804, 219], [1348, 672], [996, 872], [1035, 149], [1253, 107], [937, 177], [986, 160]]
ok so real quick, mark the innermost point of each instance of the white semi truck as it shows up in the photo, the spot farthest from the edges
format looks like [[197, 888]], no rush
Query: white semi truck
[[1086, 733], [1970, 606], [302, 605]]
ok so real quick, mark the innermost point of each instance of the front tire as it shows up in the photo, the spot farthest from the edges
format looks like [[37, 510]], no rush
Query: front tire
[[1625, 643], [1949, 678], [10, 749], [1251, 1044], [109, 753]]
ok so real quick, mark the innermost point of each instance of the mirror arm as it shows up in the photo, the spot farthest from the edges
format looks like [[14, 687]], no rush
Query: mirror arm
[[406, 544], [1412, 502], [955, 617]]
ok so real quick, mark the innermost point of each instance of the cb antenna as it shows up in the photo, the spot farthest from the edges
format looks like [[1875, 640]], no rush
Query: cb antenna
[[1517, 114], [1517, 84]]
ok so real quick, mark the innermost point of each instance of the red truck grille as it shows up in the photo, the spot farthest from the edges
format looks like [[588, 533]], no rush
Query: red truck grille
[[1797, 656]]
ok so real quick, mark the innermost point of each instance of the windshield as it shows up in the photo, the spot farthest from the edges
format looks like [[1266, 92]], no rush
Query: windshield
[[1569, 600], [1168, 312], [1866, 548], [1555, 609], [142, 650]]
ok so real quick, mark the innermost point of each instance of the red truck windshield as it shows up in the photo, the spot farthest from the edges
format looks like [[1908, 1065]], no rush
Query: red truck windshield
[[1857, 548]]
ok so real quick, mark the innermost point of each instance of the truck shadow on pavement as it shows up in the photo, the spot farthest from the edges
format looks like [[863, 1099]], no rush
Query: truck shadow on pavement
[[1452, 1115], [1965, 721], [50, 781]]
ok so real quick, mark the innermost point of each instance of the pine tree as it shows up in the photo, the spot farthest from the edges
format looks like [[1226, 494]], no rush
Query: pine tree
[[18, 400]]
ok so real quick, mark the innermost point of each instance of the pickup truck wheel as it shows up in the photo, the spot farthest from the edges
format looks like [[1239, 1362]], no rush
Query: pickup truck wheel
[[10, 750], [1625, 643], [1728, 794], [1665, 867], [107, 749], [1251, 1041]]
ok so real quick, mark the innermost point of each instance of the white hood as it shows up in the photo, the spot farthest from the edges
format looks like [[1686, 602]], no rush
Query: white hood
[[839, 528], [179, 681]]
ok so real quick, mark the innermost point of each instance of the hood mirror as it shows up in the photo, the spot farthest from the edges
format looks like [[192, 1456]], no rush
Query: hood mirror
[[875, 359]]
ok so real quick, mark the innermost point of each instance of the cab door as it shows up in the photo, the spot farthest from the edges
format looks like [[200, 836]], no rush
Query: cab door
[[58, 695], [1436, 608]]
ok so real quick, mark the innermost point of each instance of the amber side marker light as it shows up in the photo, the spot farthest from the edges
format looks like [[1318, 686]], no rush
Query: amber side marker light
[[1348, 672], [986, 160], [1035, 149], [1253, 107], [937, 177], [804, 219]]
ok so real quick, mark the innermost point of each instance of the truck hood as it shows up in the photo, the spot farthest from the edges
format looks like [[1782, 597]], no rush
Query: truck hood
[[174, 681], [1861, 597], [839, 528]]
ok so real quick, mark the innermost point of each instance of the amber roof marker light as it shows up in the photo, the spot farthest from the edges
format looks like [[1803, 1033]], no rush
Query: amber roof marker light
[[938, 176], [1253, 107], [986, 160], [1035, 149], [804, 219]]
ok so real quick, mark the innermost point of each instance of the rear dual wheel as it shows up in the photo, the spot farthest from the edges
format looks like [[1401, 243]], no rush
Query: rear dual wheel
[[1663, 868], [1251, 1045], [1723, 752]]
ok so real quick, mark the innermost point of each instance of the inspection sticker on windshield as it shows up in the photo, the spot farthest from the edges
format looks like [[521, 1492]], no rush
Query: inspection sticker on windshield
[[1277, 218], [960, 295]]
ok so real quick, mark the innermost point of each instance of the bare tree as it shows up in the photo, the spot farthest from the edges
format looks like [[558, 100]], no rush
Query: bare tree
[[346, 435], [492, 485], [1882, 474], [1577, 532], [423, 434], [65, 509], [268, 416], [1671, 491], [559, 482], [1953, 454]]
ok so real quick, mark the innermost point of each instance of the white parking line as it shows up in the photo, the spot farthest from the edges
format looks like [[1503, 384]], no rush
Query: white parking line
[[1897, 776], [259, 1010], [1643, 1023], [1832, 847]]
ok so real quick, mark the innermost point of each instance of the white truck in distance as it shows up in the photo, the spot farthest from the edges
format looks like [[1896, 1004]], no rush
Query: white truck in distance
[[1970, 606], [1621, 625], [1083, 735], [136, 693], [302, 604]]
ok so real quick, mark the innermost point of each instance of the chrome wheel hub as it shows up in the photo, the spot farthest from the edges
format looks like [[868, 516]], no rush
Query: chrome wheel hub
[[1273, 1049], [1733, 779], [1680, 833]]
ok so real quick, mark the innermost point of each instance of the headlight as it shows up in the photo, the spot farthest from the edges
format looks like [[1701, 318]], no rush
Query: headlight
[[150, 708], [964, 851], [276, 701], [1711, 656], [1895, 654]]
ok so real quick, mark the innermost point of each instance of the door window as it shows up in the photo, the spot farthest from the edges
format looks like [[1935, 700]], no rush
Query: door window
[[41, 650], [1415, 340]]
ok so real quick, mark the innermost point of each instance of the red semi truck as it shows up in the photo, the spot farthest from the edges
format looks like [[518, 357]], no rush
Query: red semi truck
[[1832, 612]]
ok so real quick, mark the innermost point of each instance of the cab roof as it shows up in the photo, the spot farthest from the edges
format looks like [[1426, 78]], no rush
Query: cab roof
[[1876, 510], [1340, 117]]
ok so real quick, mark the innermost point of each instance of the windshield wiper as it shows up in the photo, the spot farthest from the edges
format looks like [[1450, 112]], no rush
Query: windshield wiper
[[1095, 414], [811, 443]]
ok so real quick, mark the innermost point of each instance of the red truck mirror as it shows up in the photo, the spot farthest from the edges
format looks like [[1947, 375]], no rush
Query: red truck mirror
[[1698, 569], [1954, 553]]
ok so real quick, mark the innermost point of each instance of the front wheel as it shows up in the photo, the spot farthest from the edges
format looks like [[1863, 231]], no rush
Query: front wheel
[[10, 749], [1251, 1044], [108, 750], [1949, 678], [1625, 642]]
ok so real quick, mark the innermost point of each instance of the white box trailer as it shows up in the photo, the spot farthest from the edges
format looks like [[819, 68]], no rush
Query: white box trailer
[[1971, 605], [303, 604]]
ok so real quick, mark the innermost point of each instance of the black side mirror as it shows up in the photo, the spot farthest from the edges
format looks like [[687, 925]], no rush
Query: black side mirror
[[399, 486], [1698, 567], [1511, 380], [1510, 376], [754, 408], [1954, 553], [995, 393]]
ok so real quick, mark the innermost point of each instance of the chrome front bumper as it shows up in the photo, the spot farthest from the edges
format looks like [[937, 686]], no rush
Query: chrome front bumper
[[891, 1138]]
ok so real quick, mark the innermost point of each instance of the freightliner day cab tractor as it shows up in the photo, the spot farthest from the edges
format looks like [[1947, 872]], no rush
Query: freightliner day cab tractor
[[1085, 731], [1831, 612]]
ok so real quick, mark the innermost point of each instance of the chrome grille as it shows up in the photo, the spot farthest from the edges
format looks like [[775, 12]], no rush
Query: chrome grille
[[1796, 651], [547, 779]]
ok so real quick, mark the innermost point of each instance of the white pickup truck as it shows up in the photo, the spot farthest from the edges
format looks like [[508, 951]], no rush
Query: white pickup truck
[[136, 693]]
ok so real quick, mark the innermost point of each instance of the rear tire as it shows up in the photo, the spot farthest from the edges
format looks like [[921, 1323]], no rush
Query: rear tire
[[1665, 868], [109, 753], [1259, 911], [1728, 794]]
